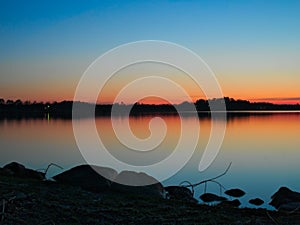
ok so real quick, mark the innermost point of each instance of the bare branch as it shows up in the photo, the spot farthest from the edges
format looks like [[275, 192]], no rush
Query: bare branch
[[211, 179], [272, 218], [294, 210], [220, 185], [52, 164], [48, 167], [191, 186], [3, 209]]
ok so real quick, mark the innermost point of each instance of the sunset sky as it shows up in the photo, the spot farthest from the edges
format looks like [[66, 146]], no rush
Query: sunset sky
[[252, 46]]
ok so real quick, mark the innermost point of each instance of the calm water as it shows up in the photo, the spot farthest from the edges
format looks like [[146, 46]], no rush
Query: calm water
[[264, 149]]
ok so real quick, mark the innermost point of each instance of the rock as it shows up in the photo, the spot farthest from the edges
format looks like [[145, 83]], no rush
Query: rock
[[285, 198], [86, 177], [15, 167], [233, 203], [18, 170], [6, 172], [291, 206], [237, 193], [107, 179], [256, 201], [133, 182], [209, 197], [180, 193]]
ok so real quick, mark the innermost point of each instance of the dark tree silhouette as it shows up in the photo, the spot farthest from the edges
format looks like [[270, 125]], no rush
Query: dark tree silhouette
[[12, 109], [9, 102]]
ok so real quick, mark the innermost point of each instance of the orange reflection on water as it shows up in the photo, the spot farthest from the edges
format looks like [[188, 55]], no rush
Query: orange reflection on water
[[264, 128]]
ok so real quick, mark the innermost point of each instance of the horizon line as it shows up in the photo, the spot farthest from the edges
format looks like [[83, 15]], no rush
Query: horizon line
[[267, 100]]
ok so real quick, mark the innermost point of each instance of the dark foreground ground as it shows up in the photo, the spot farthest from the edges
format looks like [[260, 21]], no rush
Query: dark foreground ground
[[25, 201]]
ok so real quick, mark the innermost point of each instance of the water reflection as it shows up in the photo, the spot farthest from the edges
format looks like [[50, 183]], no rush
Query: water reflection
[[263, 147]]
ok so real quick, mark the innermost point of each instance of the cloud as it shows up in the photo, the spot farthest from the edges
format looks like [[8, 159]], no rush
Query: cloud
[[277, 99]]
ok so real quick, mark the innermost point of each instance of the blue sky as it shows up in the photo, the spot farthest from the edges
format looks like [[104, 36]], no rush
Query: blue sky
[[247, 42]]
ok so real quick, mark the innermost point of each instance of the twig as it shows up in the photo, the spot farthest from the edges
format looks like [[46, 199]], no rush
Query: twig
[[48, 167], [12, 198], [211, 179], [52, 164], [220, 185], [181, 184], [3, 209], [294, 210], [272, 218]]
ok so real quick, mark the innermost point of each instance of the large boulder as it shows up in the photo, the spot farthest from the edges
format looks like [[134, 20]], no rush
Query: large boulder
[[92, 178], [180, 193], [136, 183], [291, 206], [285, 199], [18, 170]]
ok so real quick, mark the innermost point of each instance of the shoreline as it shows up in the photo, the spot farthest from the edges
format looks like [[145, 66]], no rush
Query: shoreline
[[46, 203], [34, 201]]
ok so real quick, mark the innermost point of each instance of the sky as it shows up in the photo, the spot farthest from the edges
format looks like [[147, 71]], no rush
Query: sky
[[253, 47]]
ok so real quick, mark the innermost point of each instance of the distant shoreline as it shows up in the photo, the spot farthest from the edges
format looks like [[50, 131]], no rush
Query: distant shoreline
[[18, 109]]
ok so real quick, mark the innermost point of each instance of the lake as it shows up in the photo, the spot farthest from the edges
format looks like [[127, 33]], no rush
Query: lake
[[264, 148]]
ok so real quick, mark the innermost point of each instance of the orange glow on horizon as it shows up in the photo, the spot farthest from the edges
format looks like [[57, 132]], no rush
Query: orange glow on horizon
[[277, 93], [148, 100]]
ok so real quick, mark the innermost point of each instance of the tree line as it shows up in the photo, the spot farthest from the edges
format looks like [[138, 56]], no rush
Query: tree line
[[19, 108]]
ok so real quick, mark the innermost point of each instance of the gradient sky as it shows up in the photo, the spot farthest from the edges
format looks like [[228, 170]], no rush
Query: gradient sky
[[252, 46]]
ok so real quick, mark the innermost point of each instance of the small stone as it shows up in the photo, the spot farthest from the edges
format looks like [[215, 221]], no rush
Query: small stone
[[256, 201], [237, 193], [18, 170], [180, 193]]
